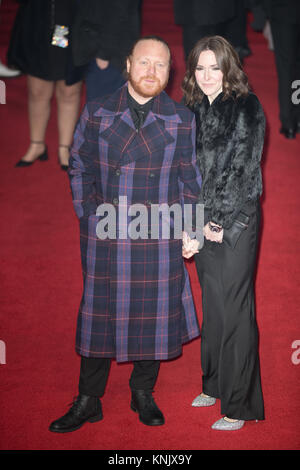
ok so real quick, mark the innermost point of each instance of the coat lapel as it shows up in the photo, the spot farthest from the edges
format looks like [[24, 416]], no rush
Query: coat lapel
[[125, 143]]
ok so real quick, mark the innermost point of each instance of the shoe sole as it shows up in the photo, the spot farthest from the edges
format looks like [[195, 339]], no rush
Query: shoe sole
[[93, 419], [146, 424]]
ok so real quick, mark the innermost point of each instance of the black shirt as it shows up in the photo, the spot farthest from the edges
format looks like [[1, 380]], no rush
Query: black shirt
[[138, 111]]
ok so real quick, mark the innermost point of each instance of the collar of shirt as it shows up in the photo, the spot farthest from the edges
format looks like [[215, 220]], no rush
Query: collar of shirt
[[138, 111]]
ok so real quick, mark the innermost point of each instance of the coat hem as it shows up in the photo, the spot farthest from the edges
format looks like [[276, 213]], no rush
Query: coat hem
[[133, 357]]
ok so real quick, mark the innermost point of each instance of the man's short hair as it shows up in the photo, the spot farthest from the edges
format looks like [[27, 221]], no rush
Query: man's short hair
[[151, 38]]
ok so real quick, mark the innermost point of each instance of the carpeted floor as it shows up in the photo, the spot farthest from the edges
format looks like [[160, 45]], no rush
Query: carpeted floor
[[41, 289]]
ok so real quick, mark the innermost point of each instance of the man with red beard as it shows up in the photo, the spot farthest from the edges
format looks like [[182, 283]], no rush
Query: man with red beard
[[137, 303]]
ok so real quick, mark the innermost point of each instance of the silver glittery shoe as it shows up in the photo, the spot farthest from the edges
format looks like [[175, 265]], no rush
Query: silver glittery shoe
[[223, 425], [200, 400]]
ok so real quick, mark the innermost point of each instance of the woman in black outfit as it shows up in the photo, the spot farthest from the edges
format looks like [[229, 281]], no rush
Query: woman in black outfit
[[39, 48], [230, 136]]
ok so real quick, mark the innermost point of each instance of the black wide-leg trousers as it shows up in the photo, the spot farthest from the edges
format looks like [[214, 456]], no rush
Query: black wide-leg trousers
[[94, 374], [229, 338]]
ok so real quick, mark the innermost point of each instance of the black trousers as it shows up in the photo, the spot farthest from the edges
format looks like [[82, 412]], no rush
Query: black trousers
[[229, 338], [94, 374], [286, 38]]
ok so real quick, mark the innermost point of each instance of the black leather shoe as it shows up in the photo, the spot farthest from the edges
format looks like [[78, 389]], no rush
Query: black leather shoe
[[143, 403], [288, 132], [84, 408]]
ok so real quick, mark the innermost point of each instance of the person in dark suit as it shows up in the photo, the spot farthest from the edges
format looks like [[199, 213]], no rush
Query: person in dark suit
[[102, 36], [284, 17], [200, 18], [229, 142], [137, 304]]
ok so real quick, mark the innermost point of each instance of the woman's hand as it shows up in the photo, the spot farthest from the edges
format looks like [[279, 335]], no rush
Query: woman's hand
[[212, 236], [189, 247]]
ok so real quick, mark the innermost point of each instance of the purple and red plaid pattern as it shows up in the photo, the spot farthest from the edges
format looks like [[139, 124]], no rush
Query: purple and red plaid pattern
[[137, 302]]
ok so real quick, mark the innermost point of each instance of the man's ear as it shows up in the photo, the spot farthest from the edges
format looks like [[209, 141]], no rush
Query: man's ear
[[128, 63]]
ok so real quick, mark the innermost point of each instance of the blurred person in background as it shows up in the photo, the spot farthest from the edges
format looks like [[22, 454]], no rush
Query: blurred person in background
[[284, 17], [102, 36], [5, 71], [200, 18], [40, 48]]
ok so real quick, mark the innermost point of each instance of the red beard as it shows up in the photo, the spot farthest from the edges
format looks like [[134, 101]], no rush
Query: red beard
[[141, 88]]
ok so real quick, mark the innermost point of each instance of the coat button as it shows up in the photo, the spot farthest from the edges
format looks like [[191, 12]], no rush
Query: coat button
[[118, 172], [152, 175], [115, 201]]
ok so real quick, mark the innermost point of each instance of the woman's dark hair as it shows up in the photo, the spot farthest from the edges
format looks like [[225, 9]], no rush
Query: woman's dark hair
[[235, 81]]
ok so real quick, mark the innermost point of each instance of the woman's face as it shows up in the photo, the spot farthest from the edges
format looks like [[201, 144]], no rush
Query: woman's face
[[208, 75]]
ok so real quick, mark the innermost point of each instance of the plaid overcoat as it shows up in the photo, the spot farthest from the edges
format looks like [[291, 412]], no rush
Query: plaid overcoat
[[137, 302]]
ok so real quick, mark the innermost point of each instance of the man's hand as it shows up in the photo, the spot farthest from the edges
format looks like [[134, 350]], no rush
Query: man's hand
[[189, 247], [102, 64]]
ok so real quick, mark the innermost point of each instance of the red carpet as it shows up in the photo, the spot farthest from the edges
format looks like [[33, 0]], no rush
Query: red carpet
[[41, 289]]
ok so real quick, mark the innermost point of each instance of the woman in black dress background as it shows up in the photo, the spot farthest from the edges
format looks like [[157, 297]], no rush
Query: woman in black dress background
[[40, 50]]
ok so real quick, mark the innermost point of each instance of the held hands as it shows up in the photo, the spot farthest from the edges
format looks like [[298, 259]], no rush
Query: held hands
[[189, 247]]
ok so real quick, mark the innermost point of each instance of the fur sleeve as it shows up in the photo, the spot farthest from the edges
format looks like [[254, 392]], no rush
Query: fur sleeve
[[241, 179]]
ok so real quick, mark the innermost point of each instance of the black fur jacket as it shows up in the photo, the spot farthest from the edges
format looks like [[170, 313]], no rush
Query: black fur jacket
[[230, 138]]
